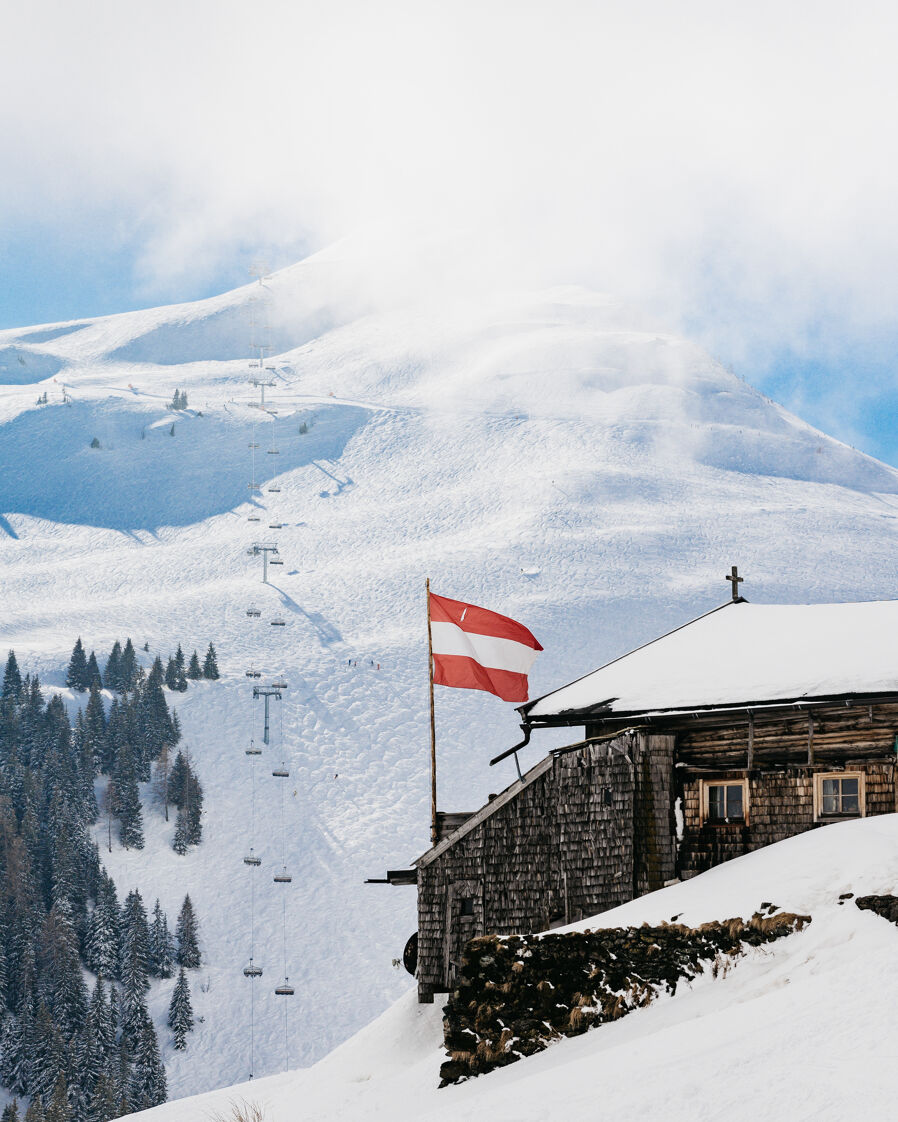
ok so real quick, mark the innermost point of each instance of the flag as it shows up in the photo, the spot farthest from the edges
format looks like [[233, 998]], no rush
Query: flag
[[475, 649]]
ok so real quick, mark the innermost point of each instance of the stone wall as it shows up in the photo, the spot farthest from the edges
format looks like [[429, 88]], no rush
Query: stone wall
[[515, 995]]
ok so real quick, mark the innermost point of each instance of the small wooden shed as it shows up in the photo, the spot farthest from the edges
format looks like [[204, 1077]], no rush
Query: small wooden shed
[[746, 726]]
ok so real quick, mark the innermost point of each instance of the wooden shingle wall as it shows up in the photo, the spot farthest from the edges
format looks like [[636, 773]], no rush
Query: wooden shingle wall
[[561, 849], [654, 827]]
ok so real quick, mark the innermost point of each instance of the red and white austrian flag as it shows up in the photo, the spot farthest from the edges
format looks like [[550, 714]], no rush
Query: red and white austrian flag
[[475, 649]]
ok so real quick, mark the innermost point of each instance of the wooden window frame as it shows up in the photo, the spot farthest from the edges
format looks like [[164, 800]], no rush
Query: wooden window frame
[[860, 776], [707, 784]]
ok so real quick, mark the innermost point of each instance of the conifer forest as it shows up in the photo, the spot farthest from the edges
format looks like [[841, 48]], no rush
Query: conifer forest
[[77, 1043]]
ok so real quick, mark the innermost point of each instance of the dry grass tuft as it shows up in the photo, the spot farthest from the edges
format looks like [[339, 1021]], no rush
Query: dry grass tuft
[[239, 1110]]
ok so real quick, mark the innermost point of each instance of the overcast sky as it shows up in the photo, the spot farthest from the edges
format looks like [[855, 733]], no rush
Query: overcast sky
[[730, 167]]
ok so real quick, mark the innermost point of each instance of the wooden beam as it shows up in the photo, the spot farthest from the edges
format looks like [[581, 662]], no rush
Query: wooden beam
[[751, 741], [810, 738]]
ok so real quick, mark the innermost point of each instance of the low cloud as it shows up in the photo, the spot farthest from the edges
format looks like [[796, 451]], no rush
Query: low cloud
[[731, 168]]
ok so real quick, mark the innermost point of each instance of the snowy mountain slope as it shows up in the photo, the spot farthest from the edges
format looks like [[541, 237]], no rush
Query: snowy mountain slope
[[544, 454], [783, 1033]]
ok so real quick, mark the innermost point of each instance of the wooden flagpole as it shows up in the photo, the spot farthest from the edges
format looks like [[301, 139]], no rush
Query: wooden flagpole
[[433, 727]]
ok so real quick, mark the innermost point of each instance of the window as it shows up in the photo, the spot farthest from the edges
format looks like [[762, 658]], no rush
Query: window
[[725, 802], [467, 905], [839, 795]]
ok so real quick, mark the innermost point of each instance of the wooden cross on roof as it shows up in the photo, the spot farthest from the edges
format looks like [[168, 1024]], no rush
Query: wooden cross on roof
[[735, 580]]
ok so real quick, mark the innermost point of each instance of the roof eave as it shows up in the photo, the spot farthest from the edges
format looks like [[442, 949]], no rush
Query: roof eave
[[594, 715]]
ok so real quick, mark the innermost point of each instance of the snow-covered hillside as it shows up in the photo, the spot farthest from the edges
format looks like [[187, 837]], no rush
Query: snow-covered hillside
[[797, 1029], [545, 454]]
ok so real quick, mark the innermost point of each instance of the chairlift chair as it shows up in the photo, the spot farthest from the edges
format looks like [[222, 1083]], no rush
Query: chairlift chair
[[274, 489], [253, 750], [253, 611], [275, 561], [285, 990], [280, 684], [274, 451], [252, 859], [275, 525], [278, 623], [252, 971], [281, 772], [253, 673], [283, 877], [253, 518]]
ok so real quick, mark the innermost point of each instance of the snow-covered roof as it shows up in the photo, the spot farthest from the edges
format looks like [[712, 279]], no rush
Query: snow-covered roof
[[742, 653]]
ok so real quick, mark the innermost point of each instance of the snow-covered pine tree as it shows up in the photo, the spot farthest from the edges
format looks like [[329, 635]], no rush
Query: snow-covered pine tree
[[210, 666], [35, 1111], [58, 1106], [115, 737], [171, 674], [112, 675], [120, 1072], [181, 841], [12, 679], [95, 727], [129, 667], [61, 978], [177, 779], [11, 1055], [76, 675], [162, 947], [194, 670], [49, 1058], [102, 1017], [180, 661], [11, 1112], [194, 810], [101, 941], [104, 1105], [187, 934], [85, 766], [134, 956], [126, 800], [180, 1011], [90, 1055], [93, 672], [148, 1083], [157, 728]]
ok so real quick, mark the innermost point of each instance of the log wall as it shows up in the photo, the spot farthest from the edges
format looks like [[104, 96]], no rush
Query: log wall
[[833, 733], [780, 805]]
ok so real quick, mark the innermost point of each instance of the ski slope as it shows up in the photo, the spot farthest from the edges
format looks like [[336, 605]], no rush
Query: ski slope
[[799, 1029], [546, 454]]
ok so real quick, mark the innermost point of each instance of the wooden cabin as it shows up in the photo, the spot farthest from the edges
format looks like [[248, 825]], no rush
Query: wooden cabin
[[741, 728]]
